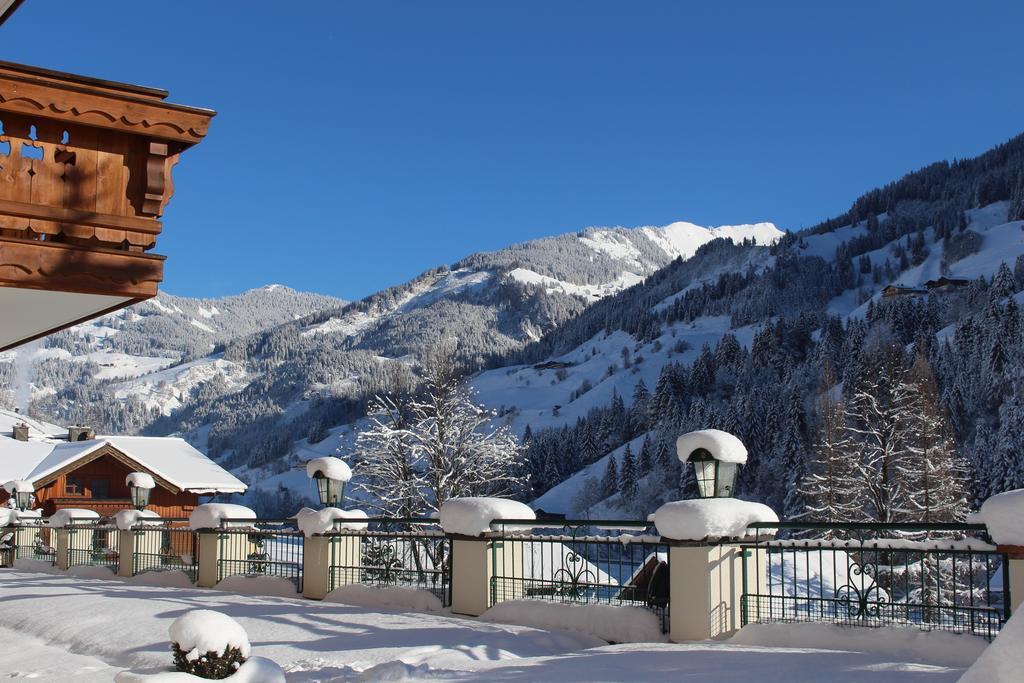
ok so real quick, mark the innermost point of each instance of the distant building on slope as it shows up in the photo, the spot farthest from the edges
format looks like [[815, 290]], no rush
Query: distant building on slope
[[946, 284], [74, 468], [897, 291]]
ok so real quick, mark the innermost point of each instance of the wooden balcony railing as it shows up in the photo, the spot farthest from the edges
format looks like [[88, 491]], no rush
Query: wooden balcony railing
[[85, 175]]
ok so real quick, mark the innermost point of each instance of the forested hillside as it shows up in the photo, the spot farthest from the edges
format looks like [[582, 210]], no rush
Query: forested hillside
[[833, 387]]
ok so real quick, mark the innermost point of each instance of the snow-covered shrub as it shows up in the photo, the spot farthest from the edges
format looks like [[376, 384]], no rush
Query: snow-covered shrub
[[208, 644]]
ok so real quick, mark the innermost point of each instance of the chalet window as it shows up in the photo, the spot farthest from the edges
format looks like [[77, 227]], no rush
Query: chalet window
[[73, 487], [100, 488]]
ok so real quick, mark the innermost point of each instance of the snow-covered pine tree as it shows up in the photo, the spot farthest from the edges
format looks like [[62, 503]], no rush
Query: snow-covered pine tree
[[830, 491], [628, 477], [610, 480], [646, 461]]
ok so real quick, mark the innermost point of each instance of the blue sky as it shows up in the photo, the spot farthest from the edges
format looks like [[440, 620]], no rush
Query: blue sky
[[358, 144]]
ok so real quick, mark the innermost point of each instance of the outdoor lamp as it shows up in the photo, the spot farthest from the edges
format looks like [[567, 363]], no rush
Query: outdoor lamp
[[332, 491], [330, 476], [22, 492], [140, 486], [716, 457]]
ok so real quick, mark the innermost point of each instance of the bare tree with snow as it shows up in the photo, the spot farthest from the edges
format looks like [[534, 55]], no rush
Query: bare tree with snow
[[934, 476], [424, 450], [386, 461]]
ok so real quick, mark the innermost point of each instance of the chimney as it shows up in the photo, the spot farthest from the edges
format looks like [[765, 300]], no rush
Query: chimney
[[20, 432], [80, 433]]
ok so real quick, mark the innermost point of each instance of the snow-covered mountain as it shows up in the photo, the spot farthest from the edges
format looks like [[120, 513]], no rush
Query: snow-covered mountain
[[249, 374], [149, 358]]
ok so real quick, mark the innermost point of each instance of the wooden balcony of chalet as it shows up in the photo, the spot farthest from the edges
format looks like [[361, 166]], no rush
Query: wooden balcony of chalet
[[85, 176]]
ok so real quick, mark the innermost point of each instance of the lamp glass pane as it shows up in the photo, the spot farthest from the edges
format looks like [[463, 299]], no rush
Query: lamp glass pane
[[23, 499], [726, 479], [705, 471], [331, 491], [140, 496]]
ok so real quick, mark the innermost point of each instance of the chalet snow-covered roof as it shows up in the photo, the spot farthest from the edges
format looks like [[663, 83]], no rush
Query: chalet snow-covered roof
[[37, 429], [169, 458]]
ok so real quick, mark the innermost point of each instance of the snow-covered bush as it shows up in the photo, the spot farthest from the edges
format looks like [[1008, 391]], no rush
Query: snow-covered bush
[[208, 644]]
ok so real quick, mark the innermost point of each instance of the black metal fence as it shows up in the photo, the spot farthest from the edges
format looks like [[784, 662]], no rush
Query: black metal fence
[[935, 577], [94, 545], [581, 561], [33, 542], [272, 547], [165, 545], [411, 553]]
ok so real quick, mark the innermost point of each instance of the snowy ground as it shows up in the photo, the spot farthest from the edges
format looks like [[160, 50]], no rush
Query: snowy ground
[[61, 628]]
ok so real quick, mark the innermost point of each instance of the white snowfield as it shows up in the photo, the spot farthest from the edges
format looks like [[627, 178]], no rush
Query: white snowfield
[[473, 516], [723, 446], [65, 628], [695, 520]]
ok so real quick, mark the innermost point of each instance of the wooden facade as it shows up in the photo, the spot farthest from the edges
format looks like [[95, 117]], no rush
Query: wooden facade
[[85, 175], [97, 482]]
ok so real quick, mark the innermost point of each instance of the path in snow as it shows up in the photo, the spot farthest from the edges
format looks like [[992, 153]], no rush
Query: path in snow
[[59, 627]]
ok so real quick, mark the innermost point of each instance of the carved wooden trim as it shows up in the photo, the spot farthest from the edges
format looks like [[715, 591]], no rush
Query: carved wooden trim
[[156, 175], [62, 215], [79, 100], [59, 267]]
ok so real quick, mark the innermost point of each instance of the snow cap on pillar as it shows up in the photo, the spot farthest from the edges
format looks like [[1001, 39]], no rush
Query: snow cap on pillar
[[474, 515]]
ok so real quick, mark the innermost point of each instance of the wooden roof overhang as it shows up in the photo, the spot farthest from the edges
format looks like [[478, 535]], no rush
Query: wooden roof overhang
[[85, 175], [113, 452]]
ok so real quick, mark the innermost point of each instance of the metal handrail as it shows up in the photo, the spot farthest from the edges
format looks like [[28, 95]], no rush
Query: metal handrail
[[873, 526]]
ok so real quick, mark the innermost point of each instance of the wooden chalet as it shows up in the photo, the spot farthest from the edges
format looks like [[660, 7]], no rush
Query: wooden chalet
[[85, 176], [897, 291], [946, 284], [79, 470]]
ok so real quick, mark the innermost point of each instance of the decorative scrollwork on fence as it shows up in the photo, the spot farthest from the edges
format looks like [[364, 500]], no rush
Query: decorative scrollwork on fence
[[383, 566], [573, 579]]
